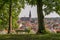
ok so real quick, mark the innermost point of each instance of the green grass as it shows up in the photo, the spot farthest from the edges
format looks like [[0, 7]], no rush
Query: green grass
[[30, 37]]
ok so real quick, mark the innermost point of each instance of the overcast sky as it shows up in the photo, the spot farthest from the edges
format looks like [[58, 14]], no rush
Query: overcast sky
[[25, 12]]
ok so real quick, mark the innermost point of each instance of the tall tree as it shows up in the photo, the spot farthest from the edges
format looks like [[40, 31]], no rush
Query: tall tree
[[41, 28], [11, 10], [40, 15], [50, 6], [3, 14], [10, 17]]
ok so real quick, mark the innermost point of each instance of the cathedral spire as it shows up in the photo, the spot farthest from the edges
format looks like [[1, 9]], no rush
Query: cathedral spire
[[30, 14]]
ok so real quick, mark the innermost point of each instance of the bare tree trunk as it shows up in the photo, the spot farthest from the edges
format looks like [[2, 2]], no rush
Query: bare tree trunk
[[40, 15], [10, 17]]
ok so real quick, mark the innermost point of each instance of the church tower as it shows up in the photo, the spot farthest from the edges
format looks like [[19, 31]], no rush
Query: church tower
[[29, 14]]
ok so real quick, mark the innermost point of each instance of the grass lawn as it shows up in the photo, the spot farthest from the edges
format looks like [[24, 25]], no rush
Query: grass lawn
[[30, 37]]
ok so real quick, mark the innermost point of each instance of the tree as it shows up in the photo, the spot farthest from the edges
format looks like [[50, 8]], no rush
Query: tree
[[10, 17], [3, 14], [39, 13], [12, 9], [40, 17], [50, 6]]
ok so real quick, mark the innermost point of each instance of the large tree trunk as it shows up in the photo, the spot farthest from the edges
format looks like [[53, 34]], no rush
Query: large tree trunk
[[10, 17], [40, 15]]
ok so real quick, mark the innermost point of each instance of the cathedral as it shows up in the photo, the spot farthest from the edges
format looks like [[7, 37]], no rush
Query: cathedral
[[26, 18]]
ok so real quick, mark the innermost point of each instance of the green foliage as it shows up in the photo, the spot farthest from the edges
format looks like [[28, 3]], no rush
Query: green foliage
[[50, 5], [4, 11], [31, 2]]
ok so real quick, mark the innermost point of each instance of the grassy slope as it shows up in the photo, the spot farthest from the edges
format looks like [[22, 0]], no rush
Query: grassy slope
[[31, 37]]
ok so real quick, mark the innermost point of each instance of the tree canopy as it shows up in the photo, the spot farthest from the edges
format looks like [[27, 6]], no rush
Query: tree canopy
[[50, 5], [4, 11]]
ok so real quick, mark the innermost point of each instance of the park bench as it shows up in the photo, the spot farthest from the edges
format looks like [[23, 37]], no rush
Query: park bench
[[18, 30]]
